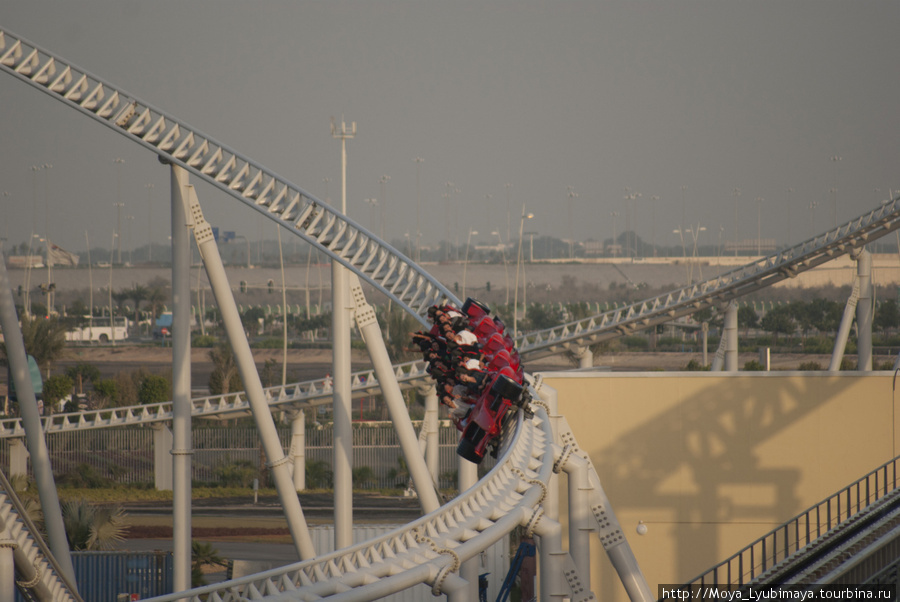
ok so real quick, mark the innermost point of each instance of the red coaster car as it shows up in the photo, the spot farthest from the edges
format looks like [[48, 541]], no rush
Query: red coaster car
[[481, 428]]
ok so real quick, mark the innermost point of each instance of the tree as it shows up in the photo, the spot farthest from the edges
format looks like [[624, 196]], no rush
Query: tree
[[224, 377], [137, 293], [107, 392], [83, 372], [91, 527], [154, 389], [747, 317], [45, 340], [202, 555], [57, 388], [887, 315], [778, 320]]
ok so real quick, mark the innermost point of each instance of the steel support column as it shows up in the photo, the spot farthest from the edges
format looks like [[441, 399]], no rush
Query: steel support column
[[731, 337], [432, 437], [341, 316], [181, 379], [298, 447], [384, 371], [256, 396], [31, 419], [864, 311]]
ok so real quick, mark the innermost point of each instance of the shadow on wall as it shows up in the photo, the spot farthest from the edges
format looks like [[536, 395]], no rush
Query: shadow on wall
[[716, 452]]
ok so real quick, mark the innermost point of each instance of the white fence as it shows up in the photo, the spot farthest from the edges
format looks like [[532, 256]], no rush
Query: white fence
[[125, 455]]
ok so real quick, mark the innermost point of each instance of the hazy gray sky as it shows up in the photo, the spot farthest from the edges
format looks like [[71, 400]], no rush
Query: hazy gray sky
[[596, 95]]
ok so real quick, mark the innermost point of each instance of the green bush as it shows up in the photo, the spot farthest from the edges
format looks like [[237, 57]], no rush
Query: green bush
[[84, 476], [154, 389], [632, 343], [319, 475], [695, 366], [810, 366], [236, 474], [205, 341], [754, 366]]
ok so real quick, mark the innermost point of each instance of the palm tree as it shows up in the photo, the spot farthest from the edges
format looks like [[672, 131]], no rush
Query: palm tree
[[138, 293], [224, 377], [45, 340], [90, 527], [202, 555]]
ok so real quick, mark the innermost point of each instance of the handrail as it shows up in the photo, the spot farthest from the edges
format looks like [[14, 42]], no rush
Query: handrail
[[795, 534]]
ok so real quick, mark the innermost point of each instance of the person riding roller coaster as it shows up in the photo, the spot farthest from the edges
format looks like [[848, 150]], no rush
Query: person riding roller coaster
[[477, 370]]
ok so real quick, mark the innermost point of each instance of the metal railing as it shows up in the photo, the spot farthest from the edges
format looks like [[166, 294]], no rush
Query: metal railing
[[795, 534]]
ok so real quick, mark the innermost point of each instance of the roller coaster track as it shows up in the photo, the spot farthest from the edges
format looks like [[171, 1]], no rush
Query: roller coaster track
[[644, 314], [758, 274], [428, 550], [339, 237], [293, 396]]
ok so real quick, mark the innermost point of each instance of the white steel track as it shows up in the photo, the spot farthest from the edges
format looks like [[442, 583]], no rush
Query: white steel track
[[430, 549], [252, 184], [757, 274]]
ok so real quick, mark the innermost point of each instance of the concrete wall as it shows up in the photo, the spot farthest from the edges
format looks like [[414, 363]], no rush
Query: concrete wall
[[711, 462]]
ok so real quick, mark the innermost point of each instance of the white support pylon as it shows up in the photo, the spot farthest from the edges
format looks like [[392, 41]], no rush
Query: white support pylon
[[243, 357], [182, 445], [384, 371]]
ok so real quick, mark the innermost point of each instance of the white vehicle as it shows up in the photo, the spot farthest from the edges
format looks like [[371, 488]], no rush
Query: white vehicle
[[98, 330]]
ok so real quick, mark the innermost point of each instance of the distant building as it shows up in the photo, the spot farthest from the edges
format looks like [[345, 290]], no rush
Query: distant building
[[750, 246], [20, 262]]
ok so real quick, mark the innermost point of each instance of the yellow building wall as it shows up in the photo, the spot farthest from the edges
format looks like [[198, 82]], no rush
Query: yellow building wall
[[711, 462]]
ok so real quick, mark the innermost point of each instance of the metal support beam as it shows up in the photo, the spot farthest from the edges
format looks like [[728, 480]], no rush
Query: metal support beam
[[864, 311], [432, 440], [731, 337], [253, 389], [393, 397], [342, 400], [181, 449], [31, 418], [843, 333], [298, 447]]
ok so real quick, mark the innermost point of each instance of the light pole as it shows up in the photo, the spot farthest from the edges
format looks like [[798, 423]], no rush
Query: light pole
[[149, 188], [572, 195], [129, 219], [835, 159], [372, 203], [383, 180], [508, 185], [119, 162], [654, 200], [518, 263], [736, 193], [466, 262], [630, 219], [759, 202], [505, 263], [418, 161], [812, 216], [687, 269], [612, 245], [789, 191]]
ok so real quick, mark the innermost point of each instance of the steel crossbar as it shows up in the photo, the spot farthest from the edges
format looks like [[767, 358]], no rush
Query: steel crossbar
[[345, 241]]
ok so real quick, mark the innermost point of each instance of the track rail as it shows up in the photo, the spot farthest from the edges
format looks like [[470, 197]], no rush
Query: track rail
[[41, 578], [345, 241], [715, 291], [424, 551], [300, 395]]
